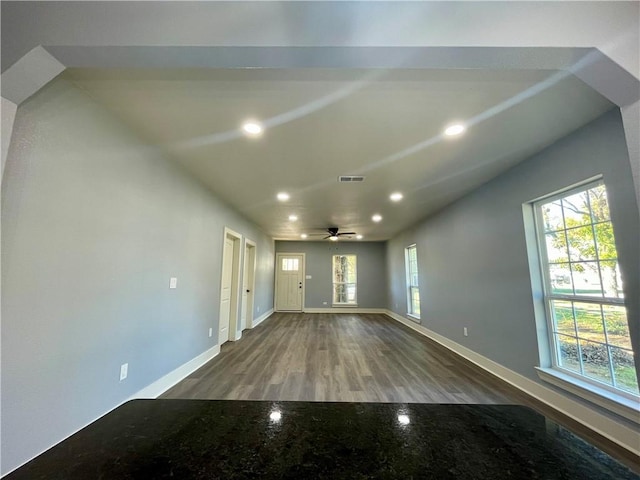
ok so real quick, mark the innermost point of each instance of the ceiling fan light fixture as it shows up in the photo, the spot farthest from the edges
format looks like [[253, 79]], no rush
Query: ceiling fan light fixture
[[333, 238], [358, 237]]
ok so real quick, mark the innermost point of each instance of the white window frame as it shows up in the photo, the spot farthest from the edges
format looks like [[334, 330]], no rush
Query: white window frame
[[407, 264], [334, 283], [558, 375]]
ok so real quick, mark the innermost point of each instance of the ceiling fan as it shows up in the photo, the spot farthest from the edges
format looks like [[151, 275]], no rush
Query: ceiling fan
[[333, 233]]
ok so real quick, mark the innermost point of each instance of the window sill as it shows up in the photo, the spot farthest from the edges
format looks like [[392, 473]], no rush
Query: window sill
[[415, 318], [616, 403], [344, 305]]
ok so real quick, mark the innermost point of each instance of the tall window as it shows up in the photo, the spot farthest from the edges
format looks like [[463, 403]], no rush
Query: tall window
[[583, 289], [344, 280], [413, 293]]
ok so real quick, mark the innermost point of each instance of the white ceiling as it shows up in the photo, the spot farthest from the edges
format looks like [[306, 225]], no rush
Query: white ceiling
[[323, 123]]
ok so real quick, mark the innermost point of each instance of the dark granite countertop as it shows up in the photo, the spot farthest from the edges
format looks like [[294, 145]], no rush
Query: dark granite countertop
[[211, 439]]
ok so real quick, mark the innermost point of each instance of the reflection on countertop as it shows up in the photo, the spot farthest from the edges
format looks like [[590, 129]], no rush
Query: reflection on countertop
[[208, 439]]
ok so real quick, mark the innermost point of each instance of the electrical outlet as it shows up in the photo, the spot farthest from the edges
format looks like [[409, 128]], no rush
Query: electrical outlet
[[173, 282], [324, 303], [258, 308], [124, 371], [210, 332], [466, 334]]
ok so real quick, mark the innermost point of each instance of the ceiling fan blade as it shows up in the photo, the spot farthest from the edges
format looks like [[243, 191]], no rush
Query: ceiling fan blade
[[346, 233], [328, 236]]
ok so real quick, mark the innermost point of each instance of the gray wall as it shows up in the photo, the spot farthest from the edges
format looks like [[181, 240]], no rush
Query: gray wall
[[472, 256], [94, 223], [371, 269]]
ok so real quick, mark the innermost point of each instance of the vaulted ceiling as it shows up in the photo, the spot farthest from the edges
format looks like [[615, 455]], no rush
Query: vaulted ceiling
[[342, 88], [322, 123]]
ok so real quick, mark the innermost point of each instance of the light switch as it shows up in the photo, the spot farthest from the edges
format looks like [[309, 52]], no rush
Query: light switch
[[173, 283], [308, 277]]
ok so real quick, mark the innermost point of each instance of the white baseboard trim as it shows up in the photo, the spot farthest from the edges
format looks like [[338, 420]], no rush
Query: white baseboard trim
[[345, 310], [620, 434], [153, 390], [163, 384], [261, 318]]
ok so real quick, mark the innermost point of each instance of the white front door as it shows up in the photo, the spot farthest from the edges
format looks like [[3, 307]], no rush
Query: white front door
[[289, 282], [225, 292]]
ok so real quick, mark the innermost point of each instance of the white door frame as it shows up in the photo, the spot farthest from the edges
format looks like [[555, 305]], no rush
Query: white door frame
[[279, 255], [249, 245], [236, 285]]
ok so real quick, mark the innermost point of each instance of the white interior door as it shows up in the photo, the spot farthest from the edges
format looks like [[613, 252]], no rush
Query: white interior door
[[225, 293], [290, 282], [246, 316]]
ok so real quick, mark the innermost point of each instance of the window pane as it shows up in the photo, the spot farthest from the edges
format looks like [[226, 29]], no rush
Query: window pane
[[624, 369], [415, 301], [615, 319], [576, 210], [290, 264], [563, 317], [568, 353], [599, 203], [339, 293], [344, 279], [560, 276], [556, 247], [595, 361], [611, 278], [552, 216], [581, 244], [586, 279], [605, 241], [591, 336], [351, 292], [589, 321]]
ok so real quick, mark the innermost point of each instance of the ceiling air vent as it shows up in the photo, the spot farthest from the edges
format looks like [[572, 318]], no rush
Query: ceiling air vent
[[350, 178]]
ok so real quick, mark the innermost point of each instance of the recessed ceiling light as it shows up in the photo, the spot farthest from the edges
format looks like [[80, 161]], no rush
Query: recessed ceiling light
[[455, 129], [293, 218], [359, 237], [333, 238], [303, 235], [377, 218], [395, 197], [283, 196], [252, 128]]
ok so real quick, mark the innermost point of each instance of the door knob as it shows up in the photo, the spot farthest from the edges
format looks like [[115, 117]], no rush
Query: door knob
[[248, 291]]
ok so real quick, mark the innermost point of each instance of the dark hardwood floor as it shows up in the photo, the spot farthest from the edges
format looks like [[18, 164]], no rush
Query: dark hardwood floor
[[336, 357], [357, 358]]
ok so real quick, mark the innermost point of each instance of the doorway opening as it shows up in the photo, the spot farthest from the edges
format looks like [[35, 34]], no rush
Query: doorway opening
[[230, 286], [248, 285]]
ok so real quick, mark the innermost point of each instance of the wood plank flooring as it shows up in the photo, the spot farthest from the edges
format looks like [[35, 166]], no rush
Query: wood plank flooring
[[357, 358], [336, 357]]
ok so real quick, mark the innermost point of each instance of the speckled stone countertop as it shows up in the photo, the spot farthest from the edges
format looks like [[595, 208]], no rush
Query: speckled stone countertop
[[211, 439]]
